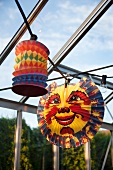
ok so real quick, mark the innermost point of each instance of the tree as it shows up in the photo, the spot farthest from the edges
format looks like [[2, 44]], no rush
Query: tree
[[98, 149], [25, 163], [36, 151], [7, 131], [41, 151], [73, 158]]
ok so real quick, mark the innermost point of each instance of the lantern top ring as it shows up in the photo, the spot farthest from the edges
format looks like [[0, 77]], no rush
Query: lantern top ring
[[33, 37]]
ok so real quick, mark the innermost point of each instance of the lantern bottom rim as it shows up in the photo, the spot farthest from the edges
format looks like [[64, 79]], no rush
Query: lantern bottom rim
[[29, 90]]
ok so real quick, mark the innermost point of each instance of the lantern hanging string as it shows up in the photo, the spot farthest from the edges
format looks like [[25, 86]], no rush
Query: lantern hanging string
[[57, 68], [7, 88], [33, 36]]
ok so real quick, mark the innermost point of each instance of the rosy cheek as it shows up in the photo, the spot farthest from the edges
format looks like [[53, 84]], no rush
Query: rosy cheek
[[78, 110], [51, 113], [75, 108]]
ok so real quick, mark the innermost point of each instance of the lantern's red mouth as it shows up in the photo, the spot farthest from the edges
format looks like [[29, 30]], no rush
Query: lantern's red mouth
[[65, 120]]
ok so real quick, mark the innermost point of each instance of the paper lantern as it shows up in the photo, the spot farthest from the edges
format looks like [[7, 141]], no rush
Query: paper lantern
[[69, 117], [30, 69]]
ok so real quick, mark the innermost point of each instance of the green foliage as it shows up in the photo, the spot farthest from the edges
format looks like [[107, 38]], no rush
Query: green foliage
[[25, 143], [36, 152], [98, 149], [41, 151], [73, 158], [7, 131]]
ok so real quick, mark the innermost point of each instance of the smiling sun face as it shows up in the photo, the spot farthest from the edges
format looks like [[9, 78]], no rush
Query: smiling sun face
[[67, 110], [69, 117]]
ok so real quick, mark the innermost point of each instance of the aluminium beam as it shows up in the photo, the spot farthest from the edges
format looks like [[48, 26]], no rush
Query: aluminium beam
[[55, 157], [109, 98], [108, 126], [10, 104], [72, 72], [112, 148], [95, 15], [31, 17], [18, 141], [106, 154], [87, 154]]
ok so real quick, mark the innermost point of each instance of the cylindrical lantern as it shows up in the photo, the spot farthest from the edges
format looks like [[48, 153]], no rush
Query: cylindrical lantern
[[69, 117], [30, 69]]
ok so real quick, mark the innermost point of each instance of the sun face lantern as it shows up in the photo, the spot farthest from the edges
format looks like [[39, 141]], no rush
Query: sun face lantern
[[69, 117], [30, 69]]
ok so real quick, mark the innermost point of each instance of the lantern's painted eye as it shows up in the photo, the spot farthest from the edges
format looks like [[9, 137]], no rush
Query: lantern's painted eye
[[55, 99], [76, 96]]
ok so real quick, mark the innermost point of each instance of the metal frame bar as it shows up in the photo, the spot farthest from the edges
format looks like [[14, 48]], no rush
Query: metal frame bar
[[108, 111], [109, 98], [9, 104], [87, 155], [55, 157], [108, 126], [112, 148], [107, 151], [18, 141]]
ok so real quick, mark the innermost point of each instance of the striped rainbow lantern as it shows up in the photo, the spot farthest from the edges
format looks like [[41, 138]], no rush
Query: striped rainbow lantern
[[30, 69]]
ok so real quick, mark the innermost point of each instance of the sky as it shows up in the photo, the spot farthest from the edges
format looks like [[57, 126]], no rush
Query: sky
[[55, 24]]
